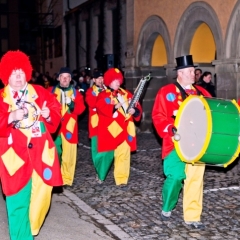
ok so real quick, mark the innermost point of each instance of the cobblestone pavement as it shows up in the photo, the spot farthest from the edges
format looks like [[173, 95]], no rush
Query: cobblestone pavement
[[137, 210]]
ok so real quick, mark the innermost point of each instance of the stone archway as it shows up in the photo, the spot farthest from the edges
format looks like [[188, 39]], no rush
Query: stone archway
[[153, 26], [193, 16], [229, 68], [233, 34]]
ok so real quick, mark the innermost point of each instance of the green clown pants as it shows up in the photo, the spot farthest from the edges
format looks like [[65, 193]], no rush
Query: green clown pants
[[18, 214], [174, 170], [102, 161]]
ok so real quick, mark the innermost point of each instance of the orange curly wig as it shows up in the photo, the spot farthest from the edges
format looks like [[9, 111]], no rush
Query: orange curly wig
[[112, 74], [14, 60]]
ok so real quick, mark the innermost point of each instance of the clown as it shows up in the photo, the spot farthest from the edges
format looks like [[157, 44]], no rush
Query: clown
[[167, 102], [29, 165], [101, 160], [116, 130], [67, 134]]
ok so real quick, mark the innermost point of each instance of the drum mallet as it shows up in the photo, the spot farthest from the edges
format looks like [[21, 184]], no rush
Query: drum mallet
[[176, 136]]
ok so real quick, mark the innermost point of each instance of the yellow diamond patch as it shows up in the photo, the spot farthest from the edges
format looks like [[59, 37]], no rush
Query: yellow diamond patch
[[48, 154], [94, 120], [12, 161], [71, 124], [131, 129], [114, 129]]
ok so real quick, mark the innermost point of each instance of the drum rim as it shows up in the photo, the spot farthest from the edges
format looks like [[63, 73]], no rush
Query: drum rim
[[235, 155], [208, 133]]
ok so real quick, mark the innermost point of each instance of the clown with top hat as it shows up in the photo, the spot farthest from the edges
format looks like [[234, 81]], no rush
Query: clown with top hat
[[166, 105], [116, 129], [29, 165]]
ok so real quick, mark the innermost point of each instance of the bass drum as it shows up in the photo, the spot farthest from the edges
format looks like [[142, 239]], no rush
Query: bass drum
[[209, 131]]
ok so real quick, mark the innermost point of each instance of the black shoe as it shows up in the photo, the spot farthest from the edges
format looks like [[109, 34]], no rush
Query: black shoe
[[165, 216], [123, 187], [58, 189], [196, 225]]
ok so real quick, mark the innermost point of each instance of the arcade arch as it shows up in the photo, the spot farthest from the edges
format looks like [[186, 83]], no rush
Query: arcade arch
[[233, 34], [196, 14], [151, 29]]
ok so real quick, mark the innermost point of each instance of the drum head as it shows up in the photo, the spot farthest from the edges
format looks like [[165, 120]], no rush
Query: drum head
[[193, 122]]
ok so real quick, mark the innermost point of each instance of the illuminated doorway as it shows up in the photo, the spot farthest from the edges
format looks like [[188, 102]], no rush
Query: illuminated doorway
[[159, 53], [203, 47]]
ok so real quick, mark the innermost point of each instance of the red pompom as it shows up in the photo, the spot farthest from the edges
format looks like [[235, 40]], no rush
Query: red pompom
[[112, 74], [14, 60]]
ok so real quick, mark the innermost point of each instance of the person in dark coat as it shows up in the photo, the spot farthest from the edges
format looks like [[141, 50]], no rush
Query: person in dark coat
[[205, 82]]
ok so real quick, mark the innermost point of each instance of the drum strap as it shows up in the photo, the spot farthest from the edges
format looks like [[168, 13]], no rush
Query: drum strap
[[183, 92]]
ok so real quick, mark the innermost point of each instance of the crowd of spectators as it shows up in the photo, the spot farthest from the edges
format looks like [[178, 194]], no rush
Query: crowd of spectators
[[81, 80]]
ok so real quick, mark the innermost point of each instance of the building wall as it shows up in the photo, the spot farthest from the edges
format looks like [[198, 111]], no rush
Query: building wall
[[13, 42], [53, 65], [82, 45], [171, 11], [176, 22], [72, 3]]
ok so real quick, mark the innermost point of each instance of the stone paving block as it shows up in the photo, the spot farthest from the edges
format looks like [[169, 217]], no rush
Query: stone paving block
[[137, 210]]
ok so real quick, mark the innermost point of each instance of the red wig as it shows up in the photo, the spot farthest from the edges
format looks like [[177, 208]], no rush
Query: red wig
[[112, 74], [14, 60]]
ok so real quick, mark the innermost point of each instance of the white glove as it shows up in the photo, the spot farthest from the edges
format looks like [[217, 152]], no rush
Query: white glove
[[68, 100]]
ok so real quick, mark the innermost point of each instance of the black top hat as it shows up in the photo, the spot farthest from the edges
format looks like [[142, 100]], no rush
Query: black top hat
[[65, 70], [97, 74], [184, 62]]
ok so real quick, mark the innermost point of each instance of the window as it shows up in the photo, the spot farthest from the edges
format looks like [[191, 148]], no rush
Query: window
[[50, 49], [4, 21], [4, 45], [45, 50], [58, 42]]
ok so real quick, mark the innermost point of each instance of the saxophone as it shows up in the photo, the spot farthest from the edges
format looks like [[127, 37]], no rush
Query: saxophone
[[138, 91]]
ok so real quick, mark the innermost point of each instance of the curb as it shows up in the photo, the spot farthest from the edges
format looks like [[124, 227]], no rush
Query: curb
[[113, 228]]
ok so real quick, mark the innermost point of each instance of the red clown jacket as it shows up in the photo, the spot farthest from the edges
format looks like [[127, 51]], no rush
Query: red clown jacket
[[115, 127], [20, 152], [69, 124], [91, 100], [167, 102]]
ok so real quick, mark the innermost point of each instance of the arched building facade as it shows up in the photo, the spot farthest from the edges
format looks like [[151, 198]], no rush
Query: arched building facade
[[147, 36], [209, 30]]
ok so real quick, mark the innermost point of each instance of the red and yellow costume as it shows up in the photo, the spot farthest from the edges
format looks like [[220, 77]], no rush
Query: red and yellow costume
[[27, 153], [115, 127], [91, 100], [116, 130], [29, 164], [67, 134], [167, 103], [102, 161]]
